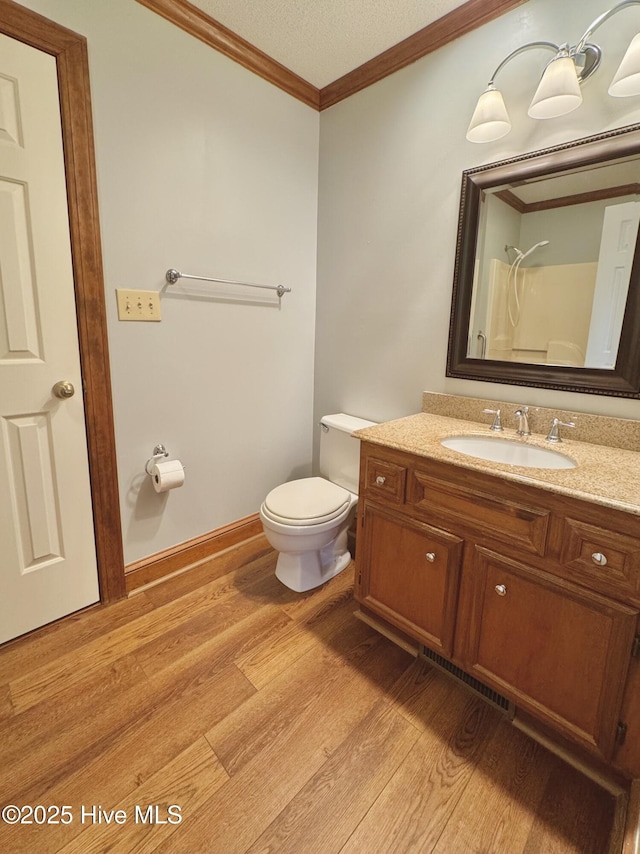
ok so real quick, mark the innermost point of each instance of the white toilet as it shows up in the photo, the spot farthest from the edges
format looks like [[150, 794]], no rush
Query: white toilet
[[307, 520]]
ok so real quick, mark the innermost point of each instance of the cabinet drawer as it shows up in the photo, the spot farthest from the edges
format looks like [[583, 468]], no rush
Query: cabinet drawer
[[492, 517], [385, 479], [608, 560]]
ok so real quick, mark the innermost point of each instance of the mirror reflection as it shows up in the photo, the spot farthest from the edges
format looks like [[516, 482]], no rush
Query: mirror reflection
[[552, 267], [546, 287]]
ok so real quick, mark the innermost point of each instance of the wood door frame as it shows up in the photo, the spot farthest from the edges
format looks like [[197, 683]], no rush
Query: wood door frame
[[70, 52]]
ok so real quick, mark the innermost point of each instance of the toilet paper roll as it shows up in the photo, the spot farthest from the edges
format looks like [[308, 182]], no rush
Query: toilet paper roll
[[167, 475]]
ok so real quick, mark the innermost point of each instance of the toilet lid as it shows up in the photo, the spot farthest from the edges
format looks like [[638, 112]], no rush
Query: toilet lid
[[309, 501]]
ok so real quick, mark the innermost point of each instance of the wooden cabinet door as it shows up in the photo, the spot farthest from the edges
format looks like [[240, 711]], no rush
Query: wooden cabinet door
[[409, 573], [556, 650]]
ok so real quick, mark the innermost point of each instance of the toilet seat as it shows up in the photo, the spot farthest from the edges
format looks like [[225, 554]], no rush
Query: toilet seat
[[309, 501]]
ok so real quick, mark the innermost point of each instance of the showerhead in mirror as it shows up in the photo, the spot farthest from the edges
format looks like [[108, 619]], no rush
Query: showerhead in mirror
[[533, 248]]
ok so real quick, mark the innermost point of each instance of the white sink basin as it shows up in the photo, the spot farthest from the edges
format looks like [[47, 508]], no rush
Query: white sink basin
[[509, 451]]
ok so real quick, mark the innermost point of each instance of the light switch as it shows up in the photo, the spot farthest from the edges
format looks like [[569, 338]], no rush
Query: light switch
[[138, 305]]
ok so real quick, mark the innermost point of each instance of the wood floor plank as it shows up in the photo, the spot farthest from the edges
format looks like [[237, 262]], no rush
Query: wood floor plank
[[509, 783], [344, 788], [50, 679], [241, 809], [171, 652], [416, 805], [31, 652], [81, 744], [262, 788], [139, 751], [420, 692], [52, 738], [6, 706], [313, 682], [575, 815], [205, 628], [237, 563], [299, 606], [188, 782], [278, 652]]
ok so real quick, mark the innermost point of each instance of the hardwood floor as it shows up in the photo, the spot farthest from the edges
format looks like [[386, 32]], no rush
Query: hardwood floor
[[276, 722]]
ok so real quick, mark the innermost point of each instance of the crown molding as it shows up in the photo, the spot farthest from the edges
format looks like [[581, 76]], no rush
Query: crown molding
[[197, 23], [456, 23]]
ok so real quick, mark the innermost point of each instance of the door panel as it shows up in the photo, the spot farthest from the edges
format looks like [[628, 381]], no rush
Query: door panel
[[19, 326], [31, 486], [9, 118], [48, 563]]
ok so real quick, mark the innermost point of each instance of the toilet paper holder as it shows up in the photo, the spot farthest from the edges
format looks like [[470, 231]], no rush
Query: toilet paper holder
[[158, 452]]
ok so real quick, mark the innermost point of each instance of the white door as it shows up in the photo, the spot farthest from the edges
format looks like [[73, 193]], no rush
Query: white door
[[617, 247], [47, 552]]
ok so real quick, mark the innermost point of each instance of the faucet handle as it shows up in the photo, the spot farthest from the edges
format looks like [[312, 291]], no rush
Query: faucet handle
[[554, 433], [496, 425]]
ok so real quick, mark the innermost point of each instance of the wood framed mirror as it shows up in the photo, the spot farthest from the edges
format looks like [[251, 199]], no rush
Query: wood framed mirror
[[546, 287]]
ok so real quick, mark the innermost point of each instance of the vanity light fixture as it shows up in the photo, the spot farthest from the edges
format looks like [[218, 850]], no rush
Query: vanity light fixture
[[558, 92]]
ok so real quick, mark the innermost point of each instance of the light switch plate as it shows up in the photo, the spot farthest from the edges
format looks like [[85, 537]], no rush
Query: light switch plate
[[138, 305]]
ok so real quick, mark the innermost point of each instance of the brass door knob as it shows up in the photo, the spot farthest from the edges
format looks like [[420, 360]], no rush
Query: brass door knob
[[63, 389]]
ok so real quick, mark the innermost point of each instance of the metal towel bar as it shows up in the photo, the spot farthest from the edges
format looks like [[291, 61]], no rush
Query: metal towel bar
[[172, 277]]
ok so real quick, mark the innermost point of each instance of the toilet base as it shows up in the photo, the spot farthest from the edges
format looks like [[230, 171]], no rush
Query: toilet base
[[302, 571]]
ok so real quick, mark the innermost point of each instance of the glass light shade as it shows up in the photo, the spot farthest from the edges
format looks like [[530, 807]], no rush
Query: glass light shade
[[627, 79], [558, 92], [490, 119]]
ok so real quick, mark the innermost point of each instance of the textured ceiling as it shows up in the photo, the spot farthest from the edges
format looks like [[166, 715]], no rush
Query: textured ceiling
[[320, 40]]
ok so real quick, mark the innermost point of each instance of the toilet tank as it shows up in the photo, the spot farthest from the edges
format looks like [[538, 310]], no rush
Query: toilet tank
[[339, 452]]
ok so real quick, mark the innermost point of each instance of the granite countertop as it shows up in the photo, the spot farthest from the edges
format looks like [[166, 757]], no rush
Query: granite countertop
[[604, 475]]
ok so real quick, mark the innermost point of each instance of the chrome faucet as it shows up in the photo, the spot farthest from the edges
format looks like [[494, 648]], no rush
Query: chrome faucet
[[496, 418], [522, 416], [554, 434]]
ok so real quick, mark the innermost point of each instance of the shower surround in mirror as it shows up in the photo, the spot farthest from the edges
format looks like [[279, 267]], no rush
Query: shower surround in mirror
[[528, 319], [560, 301]]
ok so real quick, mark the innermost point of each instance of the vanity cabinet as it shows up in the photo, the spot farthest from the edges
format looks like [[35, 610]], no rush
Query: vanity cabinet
[[533, 593]]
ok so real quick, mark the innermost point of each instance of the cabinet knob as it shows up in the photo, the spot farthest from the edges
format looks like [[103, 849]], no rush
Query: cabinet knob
[[599, 559], [501, 590], [430, 556], [380, 480]]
